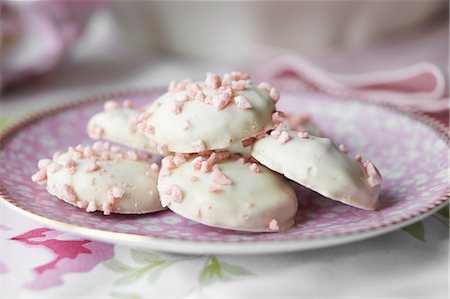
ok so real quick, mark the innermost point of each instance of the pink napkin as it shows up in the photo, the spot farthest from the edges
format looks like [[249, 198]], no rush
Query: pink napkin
[[38, 34], [420, 86]]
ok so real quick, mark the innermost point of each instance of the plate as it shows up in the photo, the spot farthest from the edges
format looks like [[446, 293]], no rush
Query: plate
[[409, 149]]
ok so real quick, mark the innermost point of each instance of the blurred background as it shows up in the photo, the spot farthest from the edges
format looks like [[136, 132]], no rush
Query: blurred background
[[53, 51]]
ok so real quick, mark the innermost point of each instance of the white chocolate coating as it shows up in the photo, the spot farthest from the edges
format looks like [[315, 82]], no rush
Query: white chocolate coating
[[318, 164], [117, 128], [135, 178], [199, 121], [256, 202], [238, 148]]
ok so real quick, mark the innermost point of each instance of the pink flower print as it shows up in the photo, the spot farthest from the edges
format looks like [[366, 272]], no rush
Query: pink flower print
[[70, 255]]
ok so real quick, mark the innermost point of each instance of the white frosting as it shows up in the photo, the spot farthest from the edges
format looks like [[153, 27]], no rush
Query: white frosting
[[238, 148], [199, 121], [117, 128], [250, 203], [318, 164], [134, 177]]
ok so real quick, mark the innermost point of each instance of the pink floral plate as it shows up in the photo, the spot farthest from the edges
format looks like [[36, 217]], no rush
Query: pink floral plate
[[409, 149]]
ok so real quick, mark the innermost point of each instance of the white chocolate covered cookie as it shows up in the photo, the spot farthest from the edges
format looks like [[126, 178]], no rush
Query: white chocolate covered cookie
[[227, 192], [102, 178], [197, 116], [118, 125], [318, 164]]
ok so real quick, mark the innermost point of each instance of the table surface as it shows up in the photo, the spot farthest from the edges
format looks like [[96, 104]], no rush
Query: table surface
[[37, 261]]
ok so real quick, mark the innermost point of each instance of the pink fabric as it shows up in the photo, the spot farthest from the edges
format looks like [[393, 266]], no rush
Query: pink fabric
[[421, 85], [39, 34]]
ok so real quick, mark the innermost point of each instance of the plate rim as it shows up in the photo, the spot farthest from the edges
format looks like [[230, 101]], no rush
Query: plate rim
[[221, 247]]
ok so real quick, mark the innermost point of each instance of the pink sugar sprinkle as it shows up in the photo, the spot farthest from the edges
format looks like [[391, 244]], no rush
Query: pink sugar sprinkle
[[248, 142], [173, 193], [128, 104], [149, 129], [265, 87], [77, 155], [358, 158], [242, 102], [179, 159], [212, 158], [163, 148], [177, 107], [144, 116], [254, 168], [375, 178], [92, 207], [236, 76], [275, 134], [88, 151], [220, 178], [193, 178], [107, 207], [303, 135], [111, 105], [81, 204], [221, 100], [168, 162], [106, 145], [40, 177], [79, 148], [212, 80], [214, 189], [54, 167], [274, 94], [117, 192], [197, 163], [106, 156], [172, 86], [96, 132], [69, 194], [200, 96], [91, 166], [206, 167], [132, 155], [198, 146], [154, 167], [343, 149], [277, 117], [70, 163], [284, 137], [281, 126], [273, 225], [238, 85], [44, 163]]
